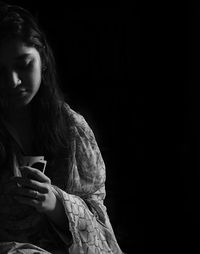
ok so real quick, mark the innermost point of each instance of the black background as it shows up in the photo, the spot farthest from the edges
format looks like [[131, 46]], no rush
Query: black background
[[188, 149], [97, 51], [176, 134]]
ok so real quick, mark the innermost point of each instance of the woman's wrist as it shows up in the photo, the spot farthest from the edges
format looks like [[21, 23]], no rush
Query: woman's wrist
[[57, 215]]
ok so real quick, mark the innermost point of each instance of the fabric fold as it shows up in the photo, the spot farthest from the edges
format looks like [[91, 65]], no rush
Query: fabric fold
[[89, 230]]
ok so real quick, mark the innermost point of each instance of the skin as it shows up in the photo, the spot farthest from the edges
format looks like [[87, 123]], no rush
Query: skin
[[20, 73], [20, 80]]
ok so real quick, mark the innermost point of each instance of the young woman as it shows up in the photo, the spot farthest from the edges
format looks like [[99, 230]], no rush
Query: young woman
[[61, 210]]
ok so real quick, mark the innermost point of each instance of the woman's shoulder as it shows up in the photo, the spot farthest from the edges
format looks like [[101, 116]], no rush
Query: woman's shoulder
[[78, 121], [76, 117]]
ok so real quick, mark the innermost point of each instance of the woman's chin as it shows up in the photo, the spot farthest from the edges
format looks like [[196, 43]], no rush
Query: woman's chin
[[22, 100]]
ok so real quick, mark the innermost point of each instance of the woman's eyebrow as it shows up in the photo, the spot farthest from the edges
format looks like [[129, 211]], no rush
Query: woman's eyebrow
[[20, 57]]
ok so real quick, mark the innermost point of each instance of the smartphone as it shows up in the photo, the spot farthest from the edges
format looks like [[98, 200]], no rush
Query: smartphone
[[41, 165]]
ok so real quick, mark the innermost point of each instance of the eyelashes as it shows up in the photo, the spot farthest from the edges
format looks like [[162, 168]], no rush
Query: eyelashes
[[24, 65], [21, 67]]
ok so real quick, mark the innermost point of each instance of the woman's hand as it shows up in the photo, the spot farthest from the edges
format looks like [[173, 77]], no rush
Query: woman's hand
[[34, 189]]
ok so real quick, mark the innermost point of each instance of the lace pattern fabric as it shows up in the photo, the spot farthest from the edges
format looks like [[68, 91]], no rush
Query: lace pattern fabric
[[83, 196]]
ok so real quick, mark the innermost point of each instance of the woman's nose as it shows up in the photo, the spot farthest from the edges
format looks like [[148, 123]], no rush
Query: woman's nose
[[14, 79]]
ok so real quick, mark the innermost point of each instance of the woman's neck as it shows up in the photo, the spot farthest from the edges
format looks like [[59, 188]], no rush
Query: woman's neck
[[21, 123], [18, 115]]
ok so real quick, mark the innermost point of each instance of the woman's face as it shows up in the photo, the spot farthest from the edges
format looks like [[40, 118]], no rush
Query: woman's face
[[20, 72]]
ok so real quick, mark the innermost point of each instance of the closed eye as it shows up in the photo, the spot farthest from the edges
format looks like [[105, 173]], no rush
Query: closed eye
[[23, 65]]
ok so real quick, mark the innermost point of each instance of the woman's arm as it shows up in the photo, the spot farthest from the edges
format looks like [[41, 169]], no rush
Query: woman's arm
[[58, 215]]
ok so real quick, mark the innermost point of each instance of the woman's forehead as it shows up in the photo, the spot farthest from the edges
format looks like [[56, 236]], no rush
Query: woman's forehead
[[15, 49]]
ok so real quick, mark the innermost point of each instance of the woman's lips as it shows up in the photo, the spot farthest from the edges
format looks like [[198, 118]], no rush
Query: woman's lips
[[20, 90], [18, 93]]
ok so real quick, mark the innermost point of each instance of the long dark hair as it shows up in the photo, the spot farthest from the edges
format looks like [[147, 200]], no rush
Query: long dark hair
[[48, 106]]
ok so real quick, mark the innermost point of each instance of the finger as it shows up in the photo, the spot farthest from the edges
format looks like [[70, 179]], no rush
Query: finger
[[24, 192], [32, 184], [27, 201], [35, 174]]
